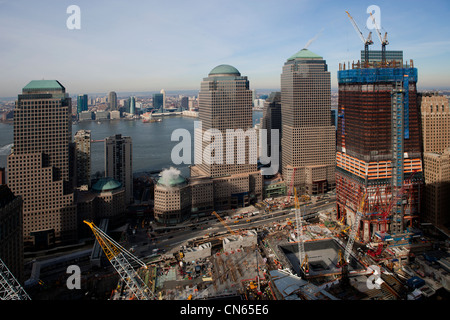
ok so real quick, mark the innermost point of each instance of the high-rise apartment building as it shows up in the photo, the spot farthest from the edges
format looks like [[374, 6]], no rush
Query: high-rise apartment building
[[38, 166], [308, 139], [112, 100], [82, 141], [118, 162], [436, 158], [378, 147]]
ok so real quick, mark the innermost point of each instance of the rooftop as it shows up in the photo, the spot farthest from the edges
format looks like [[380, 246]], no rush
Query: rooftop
[[43, 85], [305, 54], [224, 70], [106, 184], [171, 181]]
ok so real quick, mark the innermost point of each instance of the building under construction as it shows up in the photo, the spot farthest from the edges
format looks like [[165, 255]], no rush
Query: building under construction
[[378, 146]]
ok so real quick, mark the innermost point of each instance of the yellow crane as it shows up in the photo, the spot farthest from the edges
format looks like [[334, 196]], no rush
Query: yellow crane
[[121, 260], [224, 223]]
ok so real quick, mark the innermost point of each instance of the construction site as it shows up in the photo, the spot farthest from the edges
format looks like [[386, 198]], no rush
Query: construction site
[[366, 244]]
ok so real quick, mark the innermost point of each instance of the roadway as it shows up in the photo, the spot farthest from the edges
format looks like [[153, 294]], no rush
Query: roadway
[[143, 246]]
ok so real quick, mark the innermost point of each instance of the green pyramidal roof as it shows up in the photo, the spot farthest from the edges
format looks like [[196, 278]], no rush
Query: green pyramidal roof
[[43, 85], [305, 54]]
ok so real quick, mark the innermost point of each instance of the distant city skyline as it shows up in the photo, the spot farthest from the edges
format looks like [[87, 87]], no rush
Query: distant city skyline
[[143, 46]]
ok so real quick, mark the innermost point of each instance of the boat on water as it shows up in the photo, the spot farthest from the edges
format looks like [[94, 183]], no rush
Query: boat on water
[[147, 117]]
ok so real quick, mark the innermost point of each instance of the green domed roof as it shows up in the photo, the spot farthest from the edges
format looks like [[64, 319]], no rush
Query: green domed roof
[[305, 54], [172, 181], [224, 69], [106, 184]]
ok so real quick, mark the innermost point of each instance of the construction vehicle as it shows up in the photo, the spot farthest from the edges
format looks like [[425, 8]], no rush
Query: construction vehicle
[[302, 256], [367, 41], [10, 288], [121, 260]]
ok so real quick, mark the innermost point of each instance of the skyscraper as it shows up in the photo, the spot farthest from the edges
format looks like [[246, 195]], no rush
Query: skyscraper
[[272, 117], [225, 105], [436, 157], [118, 162], [308, 139], [38, 167], [112, 100], [184, 103], [132, 105], [378, 146], [158, 101], [11, 238], [82, 103]]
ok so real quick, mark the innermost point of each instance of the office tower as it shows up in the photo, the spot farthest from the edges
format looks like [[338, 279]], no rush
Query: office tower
[[163, 100], [118, 162], [82, 141], [378, 147], [308, 140], [272, 118], [158, 101], [38, 167], [436, 157], [82, 103], [112, 100], [225, 105], [132, 105], [11, 238], [184, 103]]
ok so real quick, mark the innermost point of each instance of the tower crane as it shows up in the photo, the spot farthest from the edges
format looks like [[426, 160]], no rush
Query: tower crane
[[302, 256], [367, 42], [10, 288], [120, 259], [384, 41]]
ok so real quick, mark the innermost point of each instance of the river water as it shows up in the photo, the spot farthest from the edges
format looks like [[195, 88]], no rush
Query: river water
[[152, 145]]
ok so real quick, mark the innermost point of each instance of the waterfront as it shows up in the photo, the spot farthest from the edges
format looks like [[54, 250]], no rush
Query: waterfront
[[151, 141]]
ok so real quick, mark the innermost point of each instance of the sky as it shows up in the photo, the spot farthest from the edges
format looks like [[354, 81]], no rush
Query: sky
[[136, 46]]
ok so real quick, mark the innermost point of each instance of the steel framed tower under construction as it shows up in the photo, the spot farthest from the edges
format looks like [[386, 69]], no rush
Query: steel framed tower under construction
[[378, 147]]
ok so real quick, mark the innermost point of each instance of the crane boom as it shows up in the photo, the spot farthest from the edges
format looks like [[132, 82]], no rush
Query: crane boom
[[119, 258], [302, 257], [367, 42], [356, 27], [384, 41], [355, 226], [224, 223], [10, 288]]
